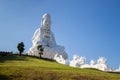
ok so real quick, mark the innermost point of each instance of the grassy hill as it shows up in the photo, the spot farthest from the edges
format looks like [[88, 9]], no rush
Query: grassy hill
[[30, 68]]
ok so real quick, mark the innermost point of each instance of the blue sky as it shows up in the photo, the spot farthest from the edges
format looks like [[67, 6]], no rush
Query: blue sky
[[89, 28]]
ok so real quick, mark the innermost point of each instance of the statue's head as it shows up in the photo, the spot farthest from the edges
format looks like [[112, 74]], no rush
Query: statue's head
[[46, 22]]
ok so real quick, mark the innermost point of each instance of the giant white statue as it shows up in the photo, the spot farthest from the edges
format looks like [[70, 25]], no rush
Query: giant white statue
[[45, 37]]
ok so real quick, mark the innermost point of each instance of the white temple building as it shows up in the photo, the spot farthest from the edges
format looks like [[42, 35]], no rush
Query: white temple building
[[80, 62]]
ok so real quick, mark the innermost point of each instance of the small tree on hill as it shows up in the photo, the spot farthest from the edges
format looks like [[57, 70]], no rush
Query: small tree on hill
[[20, 47], [40, 49]]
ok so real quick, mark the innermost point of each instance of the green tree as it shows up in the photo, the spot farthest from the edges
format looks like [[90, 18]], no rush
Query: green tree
[[20, 47], [40, 49]]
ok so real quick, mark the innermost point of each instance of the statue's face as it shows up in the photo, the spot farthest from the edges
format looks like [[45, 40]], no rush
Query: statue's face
[[46, 22]]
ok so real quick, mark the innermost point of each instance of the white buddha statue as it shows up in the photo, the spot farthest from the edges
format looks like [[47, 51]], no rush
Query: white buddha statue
[[45, 37]]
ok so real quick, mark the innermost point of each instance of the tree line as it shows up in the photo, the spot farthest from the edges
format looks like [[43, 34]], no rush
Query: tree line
[[21, 48]]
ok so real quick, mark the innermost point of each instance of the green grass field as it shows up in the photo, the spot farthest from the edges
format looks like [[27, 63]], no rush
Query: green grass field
[[30, 68]]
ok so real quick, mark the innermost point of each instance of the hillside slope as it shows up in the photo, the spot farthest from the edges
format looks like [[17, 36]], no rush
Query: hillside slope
[[30, 68]]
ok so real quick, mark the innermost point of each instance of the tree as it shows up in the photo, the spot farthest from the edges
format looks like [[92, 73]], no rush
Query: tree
[[40, 49], [20, 47]]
